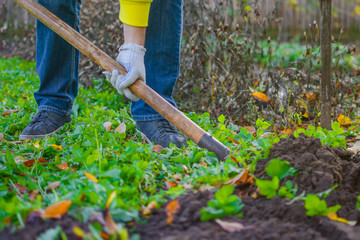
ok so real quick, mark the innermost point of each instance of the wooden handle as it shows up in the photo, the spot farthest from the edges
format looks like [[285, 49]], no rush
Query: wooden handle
[[153, 99]]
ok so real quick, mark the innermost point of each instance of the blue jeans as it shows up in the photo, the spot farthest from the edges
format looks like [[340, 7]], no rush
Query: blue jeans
[[57, 62]]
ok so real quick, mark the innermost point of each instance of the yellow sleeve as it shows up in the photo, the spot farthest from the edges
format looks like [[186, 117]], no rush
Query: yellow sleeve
[[135, 12]]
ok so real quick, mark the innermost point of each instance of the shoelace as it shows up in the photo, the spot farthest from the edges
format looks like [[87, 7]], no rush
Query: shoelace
[[41, 117]]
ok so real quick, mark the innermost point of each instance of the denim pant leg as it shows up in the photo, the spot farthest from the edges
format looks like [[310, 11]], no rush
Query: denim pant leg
[[57, 62], [162, 58]]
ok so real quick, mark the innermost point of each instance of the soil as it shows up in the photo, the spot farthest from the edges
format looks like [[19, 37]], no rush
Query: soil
[[320, 167]]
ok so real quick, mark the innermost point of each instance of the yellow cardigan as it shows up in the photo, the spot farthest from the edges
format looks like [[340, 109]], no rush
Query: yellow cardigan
[[135, 12]]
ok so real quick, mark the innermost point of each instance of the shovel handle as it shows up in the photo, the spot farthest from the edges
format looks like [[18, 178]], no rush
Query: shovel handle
[[153, 99]]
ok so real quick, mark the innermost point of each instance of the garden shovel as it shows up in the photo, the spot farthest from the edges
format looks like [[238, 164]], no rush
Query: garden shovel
[[153, 99]]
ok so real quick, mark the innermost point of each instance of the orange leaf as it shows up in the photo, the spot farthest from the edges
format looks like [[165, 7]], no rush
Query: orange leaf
[[37, 144], [7, 112], [91, 177], [333, 216], [57, 210], [260, 96], [31, 162], [149, 207], [170, 184], [240, 178], [233, 140], [54, 146], [171, 209], [63, 166], [287, 131]]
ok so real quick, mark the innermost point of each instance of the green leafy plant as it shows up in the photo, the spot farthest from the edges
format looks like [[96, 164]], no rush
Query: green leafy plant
[[358, 203], [223, 204], [288, 191], [316, 207], [268, 188]]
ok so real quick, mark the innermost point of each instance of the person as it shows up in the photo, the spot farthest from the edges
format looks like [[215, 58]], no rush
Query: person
[[151, 51]]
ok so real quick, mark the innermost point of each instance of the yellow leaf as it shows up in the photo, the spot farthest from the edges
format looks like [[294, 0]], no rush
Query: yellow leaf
[[57, 210], [148, 208], [343, 120], [37, 144], [333, 216], [54, 146], [261, 96], [78, 232], [110, 199], [91, 177], [171, 209], [357, 10]]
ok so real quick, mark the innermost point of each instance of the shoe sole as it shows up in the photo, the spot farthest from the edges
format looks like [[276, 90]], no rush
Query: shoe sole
[[29, 137]]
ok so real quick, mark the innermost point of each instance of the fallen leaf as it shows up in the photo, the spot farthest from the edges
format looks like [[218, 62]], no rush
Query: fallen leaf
[[157, 148], [19, 159], [149, 207], [287, 131], [233, 140], [79, 232], [33, 195], [91, 177], [20, 188], [2, 139], [240, 178], [261, 96], [97, 217], [53, 185], [30, 163], [107, 126], [121, 128], [104, 235], [176, 177], [57, 210], [171, 209], [185, 168], [344, 120], [232, 226], [110, 199], [110, 224], [170, 184], [250, 129], [333, 216], [54, 146], [63, 166], [37, 144], [7, 112], [357, 10]]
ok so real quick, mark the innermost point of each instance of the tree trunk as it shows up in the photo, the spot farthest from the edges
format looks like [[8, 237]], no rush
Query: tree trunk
[[325, 41]]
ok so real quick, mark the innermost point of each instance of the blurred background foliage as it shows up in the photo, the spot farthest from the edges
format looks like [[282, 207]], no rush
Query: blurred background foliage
[[232, 50]]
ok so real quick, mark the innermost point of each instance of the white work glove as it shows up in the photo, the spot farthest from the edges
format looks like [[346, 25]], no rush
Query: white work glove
[[131, 57]]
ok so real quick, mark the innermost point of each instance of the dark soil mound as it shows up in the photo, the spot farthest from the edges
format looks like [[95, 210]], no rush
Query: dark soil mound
[[36, 226], [320, 168]]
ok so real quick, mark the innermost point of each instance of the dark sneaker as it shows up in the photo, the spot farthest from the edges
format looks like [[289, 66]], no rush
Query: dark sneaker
[[44, 124], [161, 132]]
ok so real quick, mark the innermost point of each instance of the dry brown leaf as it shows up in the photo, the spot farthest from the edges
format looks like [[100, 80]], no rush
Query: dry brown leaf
[[157, 148], [7, 112], [261, 96], [232, 226], [121, 128], [171, 209], [185, 168], [33, 195], [53, 185], [2, 139], [63, 166], [240, 178], [57, 210], [170, 184], [107, 126], [176, 177], [30, 163], [110, 224], [20, 188], [149, 207], [91, 177]]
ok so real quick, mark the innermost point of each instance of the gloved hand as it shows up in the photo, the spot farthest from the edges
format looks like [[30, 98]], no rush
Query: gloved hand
[[131, 57]]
